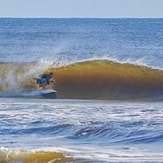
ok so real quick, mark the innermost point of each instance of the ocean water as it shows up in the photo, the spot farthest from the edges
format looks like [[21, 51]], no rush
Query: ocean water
[[109, 82]]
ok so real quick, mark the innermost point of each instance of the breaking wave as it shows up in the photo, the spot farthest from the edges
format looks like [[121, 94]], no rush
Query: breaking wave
[[95, 79], [7, 156]]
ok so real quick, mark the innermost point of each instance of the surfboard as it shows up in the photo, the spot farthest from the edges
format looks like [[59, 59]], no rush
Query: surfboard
[[48, 93]]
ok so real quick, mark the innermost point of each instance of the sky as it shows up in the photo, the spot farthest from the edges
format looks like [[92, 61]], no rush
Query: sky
[[81, 8]]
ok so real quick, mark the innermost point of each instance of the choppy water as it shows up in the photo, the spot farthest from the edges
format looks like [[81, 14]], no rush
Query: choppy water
[[71, 40], [92, 131], [109, 77]]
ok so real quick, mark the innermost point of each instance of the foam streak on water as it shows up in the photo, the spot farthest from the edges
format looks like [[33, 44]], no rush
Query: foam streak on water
[[83, 128]]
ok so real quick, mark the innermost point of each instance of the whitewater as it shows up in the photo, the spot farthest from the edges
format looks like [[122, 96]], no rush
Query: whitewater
[[109, 82]]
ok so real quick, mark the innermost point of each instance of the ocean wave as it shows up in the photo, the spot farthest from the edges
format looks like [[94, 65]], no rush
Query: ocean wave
[[93, 79], [8, 156], [119, 133]]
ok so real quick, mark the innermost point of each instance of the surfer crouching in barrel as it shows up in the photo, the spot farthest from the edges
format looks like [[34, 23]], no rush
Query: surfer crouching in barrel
[[45, 81]]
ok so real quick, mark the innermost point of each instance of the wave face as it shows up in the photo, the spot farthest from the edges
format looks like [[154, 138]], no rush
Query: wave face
[[102, 79], [8, 156], [95, 79]]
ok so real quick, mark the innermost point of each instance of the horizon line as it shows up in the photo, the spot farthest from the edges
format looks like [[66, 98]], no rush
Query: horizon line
[[82, 17]]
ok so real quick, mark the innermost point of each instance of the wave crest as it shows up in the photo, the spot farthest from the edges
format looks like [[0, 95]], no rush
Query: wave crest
[[100, 79]]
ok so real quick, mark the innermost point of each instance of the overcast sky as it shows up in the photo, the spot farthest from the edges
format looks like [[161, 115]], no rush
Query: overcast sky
[[82, 8]]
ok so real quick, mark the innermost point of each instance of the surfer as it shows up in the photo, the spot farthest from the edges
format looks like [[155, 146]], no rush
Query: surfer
[[45, 81]]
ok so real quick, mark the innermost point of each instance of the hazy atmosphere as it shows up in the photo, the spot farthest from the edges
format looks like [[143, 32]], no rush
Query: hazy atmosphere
[[82, 8]]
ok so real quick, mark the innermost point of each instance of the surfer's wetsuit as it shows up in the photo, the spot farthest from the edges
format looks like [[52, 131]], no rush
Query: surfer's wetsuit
[[47, 77], [44, 77]]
